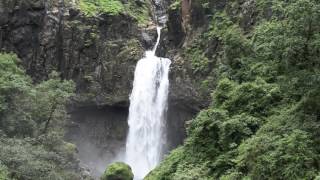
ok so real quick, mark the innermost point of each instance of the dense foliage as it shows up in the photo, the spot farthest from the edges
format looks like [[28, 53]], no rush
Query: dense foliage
[[32, 119], [263, 122]]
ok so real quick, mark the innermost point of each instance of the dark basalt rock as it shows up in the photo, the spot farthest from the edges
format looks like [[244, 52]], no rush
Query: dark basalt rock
[[175, 27], [98, 53], [149, 37]]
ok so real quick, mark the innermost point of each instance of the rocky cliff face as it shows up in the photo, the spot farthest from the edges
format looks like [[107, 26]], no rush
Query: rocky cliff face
[[98, 53], [187, 21]]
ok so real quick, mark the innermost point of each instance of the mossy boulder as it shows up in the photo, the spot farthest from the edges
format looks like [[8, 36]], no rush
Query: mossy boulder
[[118, 171]]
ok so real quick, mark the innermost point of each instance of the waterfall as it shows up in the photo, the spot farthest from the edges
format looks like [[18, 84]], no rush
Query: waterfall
[[147, 112]]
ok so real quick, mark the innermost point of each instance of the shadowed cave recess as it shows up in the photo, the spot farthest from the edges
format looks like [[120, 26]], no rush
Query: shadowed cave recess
[[100, 133]]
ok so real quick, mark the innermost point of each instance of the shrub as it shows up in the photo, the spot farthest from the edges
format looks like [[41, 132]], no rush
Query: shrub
[[32, 118]]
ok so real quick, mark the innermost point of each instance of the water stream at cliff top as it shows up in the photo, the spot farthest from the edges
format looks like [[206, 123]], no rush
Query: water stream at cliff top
[[147, 113]]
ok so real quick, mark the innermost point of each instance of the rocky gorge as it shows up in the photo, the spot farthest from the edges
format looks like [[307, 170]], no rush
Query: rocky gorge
[[99, 54], [243, 98]]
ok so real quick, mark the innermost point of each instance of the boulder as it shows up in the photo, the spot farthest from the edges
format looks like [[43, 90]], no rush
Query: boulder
[[118, 171]]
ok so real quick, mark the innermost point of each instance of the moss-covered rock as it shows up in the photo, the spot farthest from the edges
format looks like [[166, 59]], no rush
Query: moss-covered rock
[[118, 171], [139, 10]]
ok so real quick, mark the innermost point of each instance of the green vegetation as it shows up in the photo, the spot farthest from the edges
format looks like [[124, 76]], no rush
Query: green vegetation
[[175, 5], [140, 10], [118, 171], [93, 7], [263, 122], [32, 119], [3, 172], [259, 60]]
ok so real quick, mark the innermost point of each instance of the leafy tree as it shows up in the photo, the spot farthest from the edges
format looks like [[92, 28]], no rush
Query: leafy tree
[[49, 100], [32, 118]]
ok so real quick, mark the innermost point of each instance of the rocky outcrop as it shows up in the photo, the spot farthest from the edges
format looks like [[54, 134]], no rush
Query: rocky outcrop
[[98, 53], [184, 89]]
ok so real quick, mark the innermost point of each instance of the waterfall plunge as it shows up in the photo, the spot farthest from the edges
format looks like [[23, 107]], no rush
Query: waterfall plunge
[[148, 105]]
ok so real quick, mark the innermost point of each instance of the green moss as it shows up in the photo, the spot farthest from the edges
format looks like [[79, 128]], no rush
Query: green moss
[[132, 51], [139, 10], [90, 38], [175, 5], [69, 149], [118, 171], [94, 7]]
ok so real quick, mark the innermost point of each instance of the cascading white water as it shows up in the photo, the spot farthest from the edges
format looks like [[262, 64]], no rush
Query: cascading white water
[[148, 105]]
